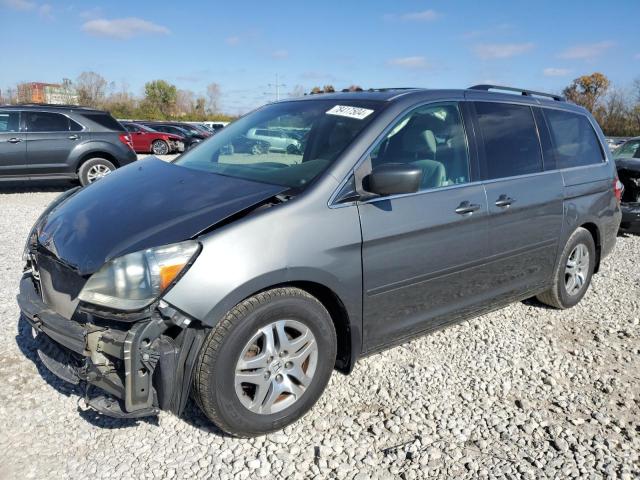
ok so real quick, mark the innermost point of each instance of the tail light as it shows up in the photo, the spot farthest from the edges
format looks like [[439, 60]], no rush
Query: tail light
[[126, 139], [618, 189]]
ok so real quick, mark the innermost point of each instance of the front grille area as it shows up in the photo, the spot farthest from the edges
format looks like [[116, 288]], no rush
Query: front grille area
[[60, 285]]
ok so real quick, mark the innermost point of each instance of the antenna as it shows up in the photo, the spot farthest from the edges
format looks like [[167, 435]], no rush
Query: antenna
[[277, 86]]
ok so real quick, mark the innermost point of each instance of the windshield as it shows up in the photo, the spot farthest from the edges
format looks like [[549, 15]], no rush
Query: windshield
[[288, 143], [628, 150]]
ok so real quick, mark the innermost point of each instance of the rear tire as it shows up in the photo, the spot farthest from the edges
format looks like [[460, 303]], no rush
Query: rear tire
[[94, 169], [238, 349], [573, 273]]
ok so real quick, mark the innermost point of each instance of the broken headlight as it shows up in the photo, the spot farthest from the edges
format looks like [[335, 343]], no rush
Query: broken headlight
[[135, 280]]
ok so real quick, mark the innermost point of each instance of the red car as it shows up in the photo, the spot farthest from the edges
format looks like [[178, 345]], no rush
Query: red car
[[146, 140]]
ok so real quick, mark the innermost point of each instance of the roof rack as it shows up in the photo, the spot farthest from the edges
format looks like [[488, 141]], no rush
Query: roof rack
[[522, 91]]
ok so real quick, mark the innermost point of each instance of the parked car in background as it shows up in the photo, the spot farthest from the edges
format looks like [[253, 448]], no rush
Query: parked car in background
[[615, 142], [627, 158], [61, 142], [215, 126], [242, 144], [244, 281], [191, 137], [278, 140], [628, 149], [147, 140]]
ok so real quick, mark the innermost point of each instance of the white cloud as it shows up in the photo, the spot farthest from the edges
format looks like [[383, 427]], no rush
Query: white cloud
[[23, 5], [423, 16], [280, 54], [409, 62], [123, 28], [586, 51], [233, 40], [501, 50], [45, 11], [556, 72]]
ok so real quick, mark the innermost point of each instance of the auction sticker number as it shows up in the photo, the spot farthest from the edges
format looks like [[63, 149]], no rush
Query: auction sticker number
[[350, 112]]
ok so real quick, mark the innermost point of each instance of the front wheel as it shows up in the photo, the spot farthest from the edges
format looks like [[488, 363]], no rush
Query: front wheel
[[94, 169], [266, 362], [573, 273], [160, 147]]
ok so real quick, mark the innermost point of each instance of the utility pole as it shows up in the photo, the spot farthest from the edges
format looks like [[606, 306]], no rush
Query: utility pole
[[277, 86]]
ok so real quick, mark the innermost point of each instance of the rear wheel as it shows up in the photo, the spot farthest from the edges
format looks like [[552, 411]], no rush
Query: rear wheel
[[573, 273], [159, 147], [94, 169], [266, 363]]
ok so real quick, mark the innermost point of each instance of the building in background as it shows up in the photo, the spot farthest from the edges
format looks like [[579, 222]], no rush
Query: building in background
[[52, 93]]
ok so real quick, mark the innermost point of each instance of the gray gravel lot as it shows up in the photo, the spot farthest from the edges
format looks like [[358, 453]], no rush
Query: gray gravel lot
[[523, 392]]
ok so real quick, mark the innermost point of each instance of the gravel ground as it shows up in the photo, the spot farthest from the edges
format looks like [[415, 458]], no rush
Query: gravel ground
[[523, 392]]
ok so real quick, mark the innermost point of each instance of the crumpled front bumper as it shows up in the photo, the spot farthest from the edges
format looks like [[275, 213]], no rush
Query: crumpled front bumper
[[630, 217], [141, 366]]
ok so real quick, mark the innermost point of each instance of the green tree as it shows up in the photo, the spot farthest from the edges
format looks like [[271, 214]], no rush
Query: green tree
[[588, 90], [159, 97]]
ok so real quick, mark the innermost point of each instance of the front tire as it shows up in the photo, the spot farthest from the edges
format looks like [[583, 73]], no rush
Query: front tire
[[159, 147], [94, 169], [266, 363], [573, 273]]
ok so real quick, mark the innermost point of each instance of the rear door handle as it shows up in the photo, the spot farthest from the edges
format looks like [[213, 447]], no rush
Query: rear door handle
[[467, 207], [14, 140], [73, 137], [504, 201]]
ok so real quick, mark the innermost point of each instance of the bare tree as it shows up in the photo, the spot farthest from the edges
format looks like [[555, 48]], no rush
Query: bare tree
[[185, 102], [91, 88], [213, 97]]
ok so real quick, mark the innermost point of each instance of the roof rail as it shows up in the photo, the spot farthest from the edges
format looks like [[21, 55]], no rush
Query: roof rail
[[522, 91], [54, 105]]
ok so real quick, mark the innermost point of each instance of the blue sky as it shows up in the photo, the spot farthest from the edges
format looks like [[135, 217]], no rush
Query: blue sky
[[242, 45]]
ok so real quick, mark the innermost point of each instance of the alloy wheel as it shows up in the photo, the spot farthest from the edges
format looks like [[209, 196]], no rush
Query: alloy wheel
[[577, 269], [97, 171]]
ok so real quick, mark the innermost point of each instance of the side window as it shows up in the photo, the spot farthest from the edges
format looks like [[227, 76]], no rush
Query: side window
[[9, 122], [574, 142], [510, 138], [47, 122], [433, 138]]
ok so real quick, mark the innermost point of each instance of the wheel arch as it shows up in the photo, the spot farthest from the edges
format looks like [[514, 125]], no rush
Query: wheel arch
[[96, 154], [593, 229]]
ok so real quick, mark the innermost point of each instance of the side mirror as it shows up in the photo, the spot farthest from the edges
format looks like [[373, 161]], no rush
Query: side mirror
[[393, 179]]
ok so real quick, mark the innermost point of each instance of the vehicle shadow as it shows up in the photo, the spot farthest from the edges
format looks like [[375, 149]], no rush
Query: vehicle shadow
[[27, 346], [534, 302], [36, 186]]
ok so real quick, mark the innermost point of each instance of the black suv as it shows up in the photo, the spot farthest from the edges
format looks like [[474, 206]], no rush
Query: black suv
[[62, 142]]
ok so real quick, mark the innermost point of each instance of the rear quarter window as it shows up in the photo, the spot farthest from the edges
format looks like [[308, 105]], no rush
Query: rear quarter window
[[574, 142], [105, 120]]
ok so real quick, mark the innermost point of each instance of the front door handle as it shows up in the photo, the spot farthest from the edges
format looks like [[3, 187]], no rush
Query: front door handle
[[73, 137], [467, 207], [14, 140], [504, 201]]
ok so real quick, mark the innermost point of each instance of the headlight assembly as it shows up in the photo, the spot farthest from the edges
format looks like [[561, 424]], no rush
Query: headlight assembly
[[135, 280]]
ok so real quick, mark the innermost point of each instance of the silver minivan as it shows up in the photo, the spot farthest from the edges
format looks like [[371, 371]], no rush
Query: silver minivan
[[279, 140], [245, 280]]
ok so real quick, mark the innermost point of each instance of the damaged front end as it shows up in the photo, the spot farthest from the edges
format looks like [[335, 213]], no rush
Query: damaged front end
[[141, 362], [629, 176]]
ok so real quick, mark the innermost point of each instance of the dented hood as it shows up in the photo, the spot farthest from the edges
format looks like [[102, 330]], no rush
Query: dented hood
[[145, 204]]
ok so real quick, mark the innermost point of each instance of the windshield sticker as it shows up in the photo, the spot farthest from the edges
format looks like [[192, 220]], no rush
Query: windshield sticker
[[351, 112]]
